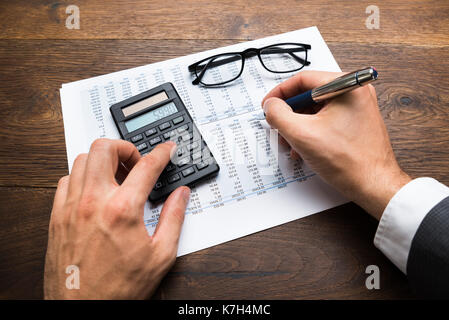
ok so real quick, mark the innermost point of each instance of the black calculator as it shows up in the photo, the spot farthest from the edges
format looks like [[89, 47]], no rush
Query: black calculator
[[158, 115]]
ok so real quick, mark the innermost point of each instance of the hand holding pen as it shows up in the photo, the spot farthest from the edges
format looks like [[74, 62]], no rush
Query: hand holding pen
[[346, 141]]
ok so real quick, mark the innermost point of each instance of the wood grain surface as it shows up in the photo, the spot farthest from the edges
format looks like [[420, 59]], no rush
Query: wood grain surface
[[318, 257], [402, 21]]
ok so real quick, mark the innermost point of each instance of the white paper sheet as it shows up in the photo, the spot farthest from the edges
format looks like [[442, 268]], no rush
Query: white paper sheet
[[258, 186]]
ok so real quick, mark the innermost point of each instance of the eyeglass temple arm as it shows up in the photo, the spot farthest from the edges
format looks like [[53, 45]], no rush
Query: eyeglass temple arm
[[250, 54]]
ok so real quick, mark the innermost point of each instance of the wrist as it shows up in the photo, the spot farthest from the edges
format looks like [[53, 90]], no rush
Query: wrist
[[381, 189]]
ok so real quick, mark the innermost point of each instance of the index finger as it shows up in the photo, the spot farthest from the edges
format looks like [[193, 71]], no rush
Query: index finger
[[301, 82], [104, 158]]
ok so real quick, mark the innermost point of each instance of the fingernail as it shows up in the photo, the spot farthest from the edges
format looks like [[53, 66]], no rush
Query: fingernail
[[172, 146], [266, 106], [186, 194]]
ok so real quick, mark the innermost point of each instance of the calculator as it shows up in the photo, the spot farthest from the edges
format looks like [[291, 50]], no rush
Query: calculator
[[158, 115]]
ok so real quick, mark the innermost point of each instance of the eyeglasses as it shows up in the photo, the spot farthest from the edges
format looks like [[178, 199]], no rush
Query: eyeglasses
[[226, 67]]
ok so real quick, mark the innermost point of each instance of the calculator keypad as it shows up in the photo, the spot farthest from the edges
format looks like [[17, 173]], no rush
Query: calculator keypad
[[190, 157]]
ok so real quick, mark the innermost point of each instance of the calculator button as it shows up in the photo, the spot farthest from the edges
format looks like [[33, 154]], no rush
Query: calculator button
[[192, 146], [188, 171], [196, 155], [155, 141], [183, 128], [202, 165], [144, 154], [150, 132], [141, 146], [158, 185], [174, 178], [206, 153], [186, 137], [178, 120], [170, 167], [169, 134], [183, 162], [164, 126], [137, 138]]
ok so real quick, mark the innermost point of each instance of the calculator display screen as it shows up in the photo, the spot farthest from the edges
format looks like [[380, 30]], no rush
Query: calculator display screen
[[151, 116]]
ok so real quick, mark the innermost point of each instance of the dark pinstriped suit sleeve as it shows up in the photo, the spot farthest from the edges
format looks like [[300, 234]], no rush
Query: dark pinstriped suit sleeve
[[428, 260]]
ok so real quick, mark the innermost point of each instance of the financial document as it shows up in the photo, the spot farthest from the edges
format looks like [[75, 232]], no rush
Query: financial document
[[259, 186]]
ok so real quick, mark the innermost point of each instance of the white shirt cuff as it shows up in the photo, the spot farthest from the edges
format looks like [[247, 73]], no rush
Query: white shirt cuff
[[403, 215]]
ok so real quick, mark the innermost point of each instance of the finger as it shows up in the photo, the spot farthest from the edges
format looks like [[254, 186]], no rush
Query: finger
[[104, 158], [171, 219], [301, 82], [280, 116], [143, 176], [61, 192], [60, 198], [77, 177]]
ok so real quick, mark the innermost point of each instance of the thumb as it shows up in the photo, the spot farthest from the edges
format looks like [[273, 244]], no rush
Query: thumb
[[295, 128], [280, 116], [171, 219]]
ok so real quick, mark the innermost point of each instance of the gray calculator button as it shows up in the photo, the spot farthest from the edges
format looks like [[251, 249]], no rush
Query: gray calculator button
[[186, 137], [178, 120], [173, 178], [155, 141], [188, 171], [192, 146], [196, 155], [164, 126], [150, 132], [137, 138], [169, 134], [183, 162], [141, 146], [202, 165], [206, 153], [183, 128], [144, 154]]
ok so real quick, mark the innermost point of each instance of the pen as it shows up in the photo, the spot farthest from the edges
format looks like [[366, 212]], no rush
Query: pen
[[334, 88]]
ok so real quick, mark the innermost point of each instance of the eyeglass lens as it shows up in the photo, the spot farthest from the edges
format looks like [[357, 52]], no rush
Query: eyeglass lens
[[228, 67]]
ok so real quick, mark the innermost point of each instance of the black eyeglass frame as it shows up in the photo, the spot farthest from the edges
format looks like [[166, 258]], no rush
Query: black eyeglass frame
[[250, 52]]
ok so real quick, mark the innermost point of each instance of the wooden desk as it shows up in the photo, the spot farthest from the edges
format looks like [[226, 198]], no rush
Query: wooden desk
[[323, 256]]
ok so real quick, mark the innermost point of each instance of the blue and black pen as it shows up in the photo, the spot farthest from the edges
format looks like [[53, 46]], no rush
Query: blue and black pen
[[334, 88]]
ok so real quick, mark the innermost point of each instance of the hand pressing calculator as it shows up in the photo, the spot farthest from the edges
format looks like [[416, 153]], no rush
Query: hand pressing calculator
[[159, 115]]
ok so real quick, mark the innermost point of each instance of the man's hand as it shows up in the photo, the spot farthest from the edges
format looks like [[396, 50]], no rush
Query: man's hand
[[97, 225], [345, 142]]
